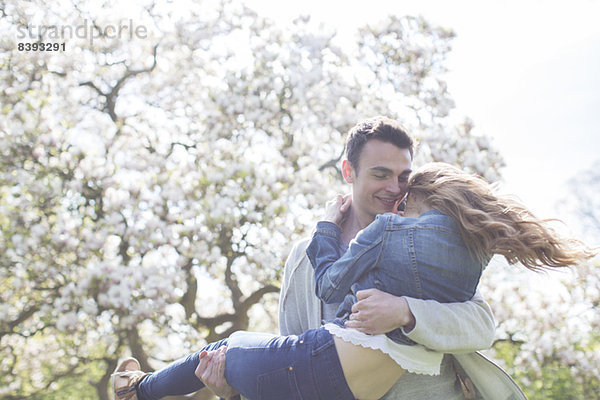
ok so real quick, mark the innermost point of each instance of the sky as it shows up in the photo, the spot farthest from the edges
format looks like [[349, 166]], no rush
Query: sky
[[526, 72]]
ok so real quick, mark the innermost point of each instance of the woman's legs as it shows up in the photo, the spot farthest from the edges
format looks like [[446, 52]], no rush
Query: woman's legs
[[285, 367], [262, 366], [175, 379]]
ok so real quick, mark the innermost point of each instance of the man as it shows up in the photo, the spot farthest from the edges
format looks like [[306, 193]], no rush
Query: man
[[378, 160]]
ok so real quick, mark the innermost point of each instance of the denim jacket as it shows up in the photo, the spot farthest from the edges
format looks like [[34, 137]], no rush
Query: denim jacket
[[422, 257]]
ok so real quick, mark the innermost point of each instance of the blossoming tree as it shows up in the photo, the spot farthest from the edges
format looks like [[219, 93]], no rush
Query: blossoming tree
[[151, 186]]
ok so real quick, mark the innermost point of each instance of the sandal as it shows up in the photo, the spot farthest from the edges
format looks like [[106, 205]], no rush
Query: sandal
[[125, 379]]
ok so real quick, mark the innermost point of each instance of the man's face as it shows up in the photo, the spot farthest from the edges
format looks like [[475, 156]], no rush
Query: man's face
[[381, 180]]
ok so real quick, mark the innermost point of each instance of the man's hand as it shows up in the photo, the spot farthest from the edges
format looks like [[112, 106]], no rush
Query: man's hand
[[211, 371], [378, 312]]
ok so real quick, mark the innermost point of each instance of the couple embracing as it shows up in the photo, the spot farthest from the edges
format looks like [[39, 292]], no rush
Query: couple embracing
[[377, 304]]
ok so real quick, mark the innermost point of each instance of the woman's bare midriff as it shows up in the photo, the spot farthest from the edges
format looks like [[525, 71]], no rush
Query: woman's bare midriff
[[369, 373]]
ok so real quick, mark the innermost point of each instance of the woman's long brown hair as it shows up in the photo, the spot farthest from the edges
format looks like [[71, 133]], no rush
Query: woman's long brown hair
[[492, 224]]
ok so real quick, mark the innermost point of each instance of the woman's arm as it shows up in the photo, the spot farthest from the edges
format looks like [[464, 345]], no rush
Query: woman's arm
[[335, 273]]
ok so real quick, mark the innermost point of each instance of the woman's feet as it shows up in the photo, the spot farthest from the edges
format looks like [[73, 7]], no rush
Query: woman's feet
[[125, 379]]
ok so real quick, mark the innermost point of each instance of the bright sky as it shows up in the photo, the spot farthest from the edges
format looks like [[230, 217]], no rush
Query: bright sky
[[527, 72]]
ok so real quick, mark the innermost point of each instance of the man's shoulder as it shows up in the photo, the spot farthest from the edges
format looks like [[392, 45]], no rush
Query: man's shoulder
[[302, 244], [298, 266], [298, 250]]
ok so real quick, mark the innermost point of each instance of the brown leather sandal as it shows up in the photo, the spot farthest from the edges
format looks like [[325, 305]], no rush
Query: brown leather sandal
[[125, 379]]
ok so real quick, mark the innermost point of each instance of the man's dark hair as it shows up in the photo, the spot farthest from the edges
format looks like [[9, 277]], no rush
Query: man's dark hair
[[380, 128]]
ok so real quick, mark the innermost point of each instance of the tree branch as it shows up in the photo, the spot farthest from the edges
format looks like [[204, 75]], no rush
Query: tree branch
[[188, 300], [137, 349], [333, 164], [110, 97]]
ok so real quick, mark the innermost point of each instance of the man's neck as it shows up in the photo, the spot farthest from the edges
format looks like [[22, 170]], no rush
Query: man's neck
[[353, 224]]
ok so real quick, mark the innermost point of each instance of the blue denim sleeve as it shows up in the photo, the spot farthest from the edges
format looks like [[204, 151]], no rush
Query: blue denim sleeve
[[334, 272]]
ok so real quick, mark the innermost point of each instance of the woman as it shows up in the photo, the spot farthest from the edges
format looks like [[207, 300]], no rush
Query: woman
[[453, 223]]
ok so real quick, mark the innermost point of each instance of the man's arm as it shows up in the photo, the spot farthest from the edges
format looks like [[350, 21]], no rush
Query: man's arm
[[446, 327], [453, 327], [299, 307]]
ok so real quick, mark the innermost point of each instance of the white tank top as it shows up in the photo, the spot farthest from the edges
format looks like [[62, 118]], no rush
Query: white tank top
[[416, 359]]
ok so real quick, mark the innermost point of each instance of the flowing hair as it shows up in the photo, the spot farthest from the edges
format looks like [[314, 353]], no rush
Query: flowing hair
[[492, 224]]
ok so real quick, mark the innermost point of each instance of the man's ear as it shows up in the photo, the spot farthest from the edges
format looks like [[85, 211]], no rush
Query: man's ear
[[347, 171]]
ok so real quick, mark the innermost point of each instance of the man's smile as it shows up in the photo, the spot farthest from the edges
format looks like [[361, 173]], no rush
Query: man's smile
[[390, 201]]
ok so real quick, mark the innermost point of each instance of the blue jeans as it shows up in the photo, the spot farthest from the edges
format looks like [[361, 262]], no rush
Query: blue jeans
[[263, 367], [175, 379]]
